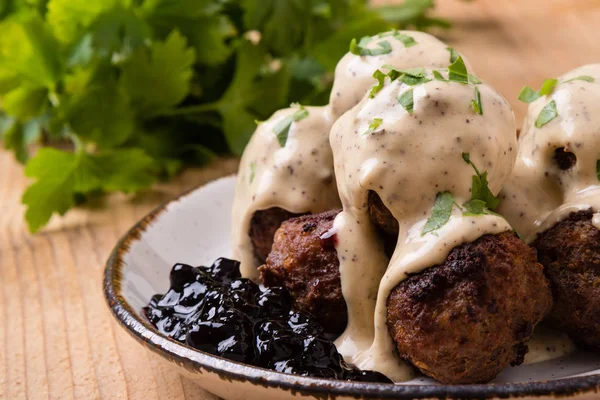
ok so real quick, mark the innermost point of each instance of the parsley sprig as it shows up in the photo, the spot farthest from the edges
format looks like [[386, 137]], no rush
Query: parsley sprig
[[282, 128], [168, 83], [482, 198]]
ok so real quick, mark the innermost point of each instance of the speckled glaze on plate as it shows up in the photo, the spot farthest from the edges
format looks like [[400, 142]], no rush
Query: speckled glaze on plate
[[195, 229]]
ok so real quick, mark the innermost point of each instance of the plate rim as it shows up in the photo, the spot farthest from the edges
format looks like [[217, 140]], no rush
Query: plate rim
[[198, 361]]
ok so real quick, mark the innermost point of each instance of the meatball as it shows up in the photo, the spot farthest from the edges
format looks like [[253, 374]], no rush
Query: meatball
[[383, 219], [463, 321], [381, 216], [570, 253], [263, 225], [307, 265]]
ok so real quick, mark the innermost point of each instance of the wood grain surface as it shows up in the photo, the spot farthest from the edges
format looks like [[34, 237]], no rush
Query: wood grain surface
[[57, 338]]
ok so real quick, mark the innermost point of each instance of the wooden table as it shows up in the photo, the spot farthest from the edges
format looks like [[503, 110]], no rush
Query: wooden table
[[57, 338]]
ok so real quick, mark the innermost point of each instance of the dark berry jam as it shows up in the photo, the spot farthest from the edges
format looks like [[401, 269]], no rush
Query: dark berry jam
[[215, 310]]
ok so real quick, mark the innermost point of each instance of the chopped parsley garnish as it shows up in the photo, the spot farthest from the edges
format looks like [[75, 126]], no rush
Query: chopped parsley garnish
[[252, 171], [375, 122], [476, 102], [412, 76], [585, 78], [282, 128], [360, 48], [548, 113], [380, 76], [598, 169], [442, 209], [406, 100], [474, 80], [457, 71], [408, 41], [528, 95], [475, 207], [453, 54], [480, 190], [438, 76]]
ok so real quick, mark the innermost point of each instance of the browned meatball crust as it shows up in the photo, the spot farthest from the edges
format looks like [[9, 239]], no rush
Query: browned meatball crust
[[570, 253], [308, 267], [263, 225], [381, 216], [465, 320]]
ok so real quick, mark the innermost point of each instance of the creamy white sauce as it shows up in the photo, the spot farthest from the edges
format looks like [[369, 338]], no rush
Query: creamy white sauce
[[353, 74], [407, 161], [297, 177], [311, 188], [539, 194]]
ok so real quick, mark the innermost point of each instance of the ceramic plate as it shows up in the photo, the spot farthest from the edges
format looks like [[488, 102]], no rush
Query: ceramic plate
[[195, 229]]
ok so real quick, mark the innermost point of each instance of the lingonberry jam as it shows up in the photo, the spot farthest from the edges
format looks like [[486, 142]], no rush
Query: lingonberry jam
[[215, 310]]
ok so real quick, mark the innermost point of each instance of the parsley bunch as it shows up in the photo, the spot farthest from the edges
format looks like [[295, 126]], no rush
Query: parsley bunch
[[110, 95]]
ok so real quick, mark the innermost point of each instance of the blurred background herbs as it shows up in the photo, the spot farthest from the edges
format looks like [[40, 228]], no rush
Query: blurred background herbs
[[112, 95]]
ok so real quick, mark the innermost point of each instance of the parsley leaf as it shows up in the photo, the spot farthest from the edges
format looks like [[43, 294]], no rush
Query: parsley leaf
[[60, 176], [474, 80], [380, 76], [375, 122], [408, 41], [548, 86], [247, 93], [453, 54], [69, 18], [585, 78], [457, 71], [406, 100], [476, 102], [412, 76], [548, 113], [476, 207], [100, 111], [442, 209], [439, 77], [598, 169], [18, 135], [29, 65], [159, 79], [282, 128], [528, 95], [282, 23], [480, 189], [200, 22], [360, 48]]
